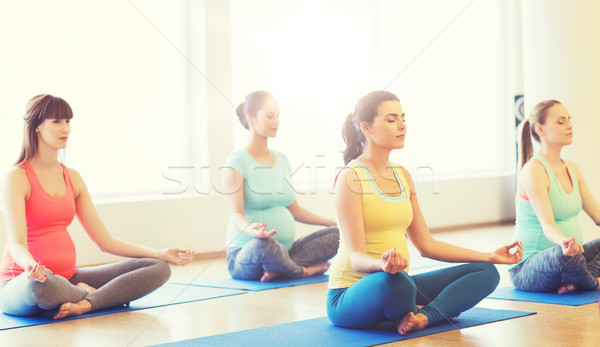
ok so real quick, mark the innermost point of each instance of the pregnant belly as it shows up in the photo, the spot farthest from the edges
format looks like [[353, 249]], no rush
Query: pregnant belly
[[278, 218], [56, 251]]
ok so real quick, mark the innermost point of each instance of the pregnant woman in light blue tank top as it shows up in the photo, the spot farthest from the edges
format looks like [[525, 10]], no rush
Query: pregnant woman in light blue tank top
[[550, 194], [261, 241]]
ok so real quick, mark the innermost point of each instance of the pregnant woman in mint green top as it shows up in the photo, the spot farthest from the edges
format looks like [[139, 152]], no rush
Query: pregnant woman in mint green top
[[263, 206], [551, 193]]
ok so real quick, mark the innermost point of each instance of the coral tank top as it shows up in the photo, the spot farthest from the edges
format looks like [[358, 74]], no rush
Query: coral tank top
[[48, 240]]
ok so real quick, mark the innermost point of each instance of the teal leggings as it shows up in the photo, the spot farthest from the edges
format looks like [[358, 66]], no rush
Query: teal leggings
[[381, 297]]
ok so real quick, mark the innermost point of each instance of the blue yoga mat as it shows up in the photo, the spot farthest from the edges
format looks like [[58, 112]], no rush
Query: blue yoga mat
[[254, 286], [320, 332], [575, 298], [165, 295]]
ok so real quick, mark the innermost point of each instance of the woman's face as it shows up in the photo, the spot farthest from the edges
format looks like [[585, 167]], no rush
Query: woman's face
[[54, 133], [388, 129], [558, 128], [266, 121]]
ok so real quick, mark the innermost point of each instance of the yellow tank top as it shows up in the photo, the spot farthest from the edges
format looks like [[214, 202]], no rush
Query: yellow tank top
[[386, 220]]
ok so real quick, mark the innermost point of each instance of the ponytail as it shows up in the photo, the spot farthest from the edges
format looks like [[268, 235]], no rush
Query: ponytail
[[525, 145], [353, 138]]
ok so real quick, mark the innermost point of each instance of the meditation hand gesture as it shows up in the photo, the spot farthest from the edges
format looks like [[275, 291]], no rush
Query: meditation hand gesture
[[503, 255], [260, 231], [393, 262], [571, 247], [37, 272], [178, 256]]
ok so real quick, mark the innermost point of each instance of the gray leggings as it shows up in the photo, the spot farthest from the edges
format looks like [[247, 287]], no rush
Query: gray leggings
[[116, 284], [259, 255], [545, 271]]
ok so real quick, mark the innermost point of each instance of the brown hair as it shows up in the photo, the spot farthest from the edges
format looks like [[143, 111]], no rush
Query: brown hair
[[38, 109], [364, 111], [537, 116], [253, 102]]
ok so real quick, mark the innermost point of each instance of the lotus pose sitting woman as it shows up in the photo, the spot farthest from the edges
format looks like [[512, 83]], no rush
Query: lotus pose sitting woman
[[261, 241], [40, 197], [551, 192], [377, 207]]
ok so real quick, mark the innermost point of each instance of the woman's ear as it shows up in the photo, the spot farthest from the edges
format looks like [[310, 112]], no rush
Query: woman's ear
[[538, 129], [364, 127]]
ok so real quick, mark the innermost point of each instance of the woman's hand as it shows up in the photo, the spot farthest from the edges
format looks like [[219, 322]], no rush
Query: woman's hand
[[503, 255], [571, 247], [36, 272], [259, 231], [178, 256], [393, 262]]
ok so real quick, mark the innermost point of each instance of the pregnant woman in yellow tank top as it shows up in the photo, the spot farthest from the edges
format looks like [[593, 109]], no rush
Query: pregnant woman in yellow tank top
[[376, 208]]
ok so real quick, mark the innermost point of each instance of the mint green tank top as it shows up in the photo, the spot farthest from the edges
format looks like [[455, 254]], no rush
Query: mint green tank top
[[565, 207], [268, 191]]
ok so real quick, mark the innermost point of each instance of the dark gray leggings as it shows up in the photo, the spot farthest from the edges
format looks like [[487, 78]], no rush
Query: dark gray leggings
[[116, 284], [545, 271], [260, 255]]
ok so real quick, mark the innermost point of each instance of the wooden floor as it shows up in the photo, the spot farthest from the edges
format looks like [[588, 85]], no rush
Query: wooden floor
[[554, 325]]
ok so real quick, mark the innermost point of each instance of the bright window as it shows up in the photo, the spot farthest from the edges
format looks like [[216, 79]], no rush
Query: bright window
[[319, 57], [117, 67], [455, 94]]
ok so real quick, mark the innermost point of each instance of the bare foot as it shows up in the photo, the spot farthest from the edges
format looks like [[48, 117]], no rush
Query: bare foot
[[411, 322], [269, 276], [566, 288], [73, 309], [405, 324], [317, 269], [85, 286]]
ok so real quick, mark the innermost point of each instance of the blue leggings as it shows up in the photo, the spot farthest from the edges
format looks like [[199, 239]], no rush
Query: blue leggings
[[381, 297], [260, 255], [545, 271]]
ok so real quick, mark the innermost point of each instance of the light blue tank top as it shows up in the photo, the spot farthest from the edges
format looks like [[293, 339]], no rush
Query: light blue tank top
[[565, 207], [268, 191]]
